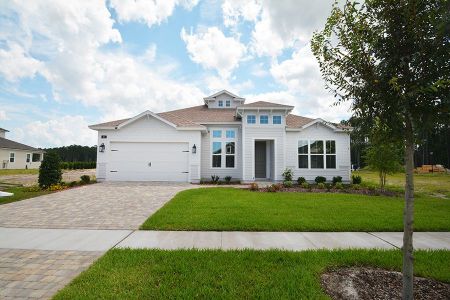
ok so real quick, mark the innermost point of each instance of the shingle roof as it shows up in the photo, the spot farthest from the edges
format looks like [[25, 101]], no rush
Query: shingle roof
[[2, 129], [8, 144], [265, 104], [294, 121], [203, 114]]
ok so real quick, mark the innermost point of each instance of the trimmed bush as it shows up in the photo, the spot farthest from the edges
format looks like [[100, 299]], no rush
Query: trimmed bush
[[320, 179], [50, 170], [337, 179], [305, 185], [301, 180], [85, 179], [228, 179], [356, 179], [273, 188], [287, 184], [339, 186], [287, 174], [215, 179], [73, 183], [254, 186], [321, 186], [76, 165]]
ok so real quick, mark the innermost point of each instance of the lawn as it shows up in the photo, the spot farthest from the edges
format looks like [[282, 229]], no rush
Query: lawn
[[18, 171], [20, 193], [215, 274], [235, 209], [431, 184]]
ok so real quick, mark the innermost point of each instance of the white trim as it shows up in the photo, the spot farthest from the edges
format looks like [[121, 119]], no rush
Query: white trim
[[274, 156], [223, 140], [324, 154], [145, 113], [26, 158], [13, 157], [212, 97]]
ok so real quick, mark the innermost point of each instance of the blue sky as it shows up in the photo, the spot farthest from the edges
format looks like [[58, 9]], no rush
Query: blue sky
[[66, 65]]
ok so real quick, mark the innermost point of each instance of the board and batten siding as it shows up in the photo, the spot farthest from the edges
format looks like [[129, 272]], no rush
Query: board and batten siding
[[319, 132], [206, 155], [149, 130]]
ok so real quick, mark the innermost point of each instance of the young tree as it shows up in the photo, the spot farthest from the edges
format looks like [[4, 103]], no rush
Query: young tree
[[391, 59], [384, 158], [50, 170]]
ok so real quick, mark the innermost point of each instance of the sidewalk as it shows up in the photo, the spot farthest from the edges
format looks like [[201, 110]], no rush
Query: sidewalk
[[102, 240]]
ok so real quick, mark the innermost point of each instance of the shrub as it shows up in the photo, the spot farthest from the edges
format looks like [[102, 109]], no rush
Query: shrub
[[85, 179], [305, 185], [321, 185], [328, 186], [356, 186], [356, 179], [73, 183], [337, 179], [228, 179], [254, 186], [50, 170], [301, 180], [56, 187], [339, 186], [320, 179], [287, 184], [273, 188], [33, 188], [215, 179], [287, 174]]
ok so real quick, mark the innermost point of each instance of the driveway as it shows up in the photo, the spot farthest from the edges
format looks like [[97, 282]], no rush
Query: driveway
[[124, 205]]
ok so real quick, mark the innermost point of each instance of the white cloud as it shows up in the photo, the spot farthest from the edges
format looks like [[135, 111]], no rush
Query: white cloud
[[63, 131], [3, 115], [235, 10], [16, 64], [213, 50], [150, 12]]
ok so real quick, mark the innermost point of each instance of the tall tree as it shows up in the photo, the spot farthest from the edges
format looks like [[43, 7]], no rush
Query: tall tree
[[391, 59]]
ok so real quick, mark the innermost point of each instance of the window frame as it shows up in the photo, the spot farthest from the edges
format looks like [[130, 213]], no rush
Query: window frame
[[32, 155], [303, 154], [230, 130], [224, 140], [28, 158], [253, 117], [273, 119], [263, 116], [220, 103], [230, 154], [330, 154], [324, 154], [227, 103], [13, 157], [217, 137]]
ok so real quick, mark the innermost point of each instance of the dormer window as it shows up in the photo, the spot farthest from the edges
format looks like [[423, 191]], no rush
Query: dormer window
[[264, 119], [228, 103], [276, 120], [220, 103]]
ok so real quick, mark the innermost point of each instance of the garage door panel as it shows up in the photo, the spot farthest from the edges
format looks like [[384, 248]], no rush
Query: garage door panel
[[148, 161]]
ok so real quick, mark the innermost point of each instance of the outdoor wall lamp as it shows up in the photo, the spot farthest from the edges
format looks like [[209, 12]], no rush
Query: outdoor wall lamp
[[101, 148], [194, 149]]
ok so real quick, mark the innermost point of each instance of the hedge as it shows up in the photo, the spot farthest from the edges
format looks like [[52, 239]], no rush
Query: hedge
[[75, 165]]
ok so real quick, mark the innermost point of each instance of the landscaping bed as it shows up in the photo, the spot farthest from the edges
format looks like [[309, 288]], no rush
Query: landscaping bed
[[228, 209], [247, 274]]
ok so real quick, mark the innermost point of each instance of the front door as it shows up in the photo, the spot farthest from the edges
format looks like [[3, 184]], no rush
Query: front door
[[260, 159]]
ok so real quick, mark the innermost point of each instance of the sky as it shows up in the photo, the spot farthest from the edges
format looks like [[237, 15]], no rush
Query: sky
[[67, 64]]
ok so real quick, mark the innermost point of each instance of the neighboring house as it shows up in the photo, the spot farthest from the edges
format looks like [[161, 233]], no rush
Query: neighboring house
[[15, 155], [223, 137]]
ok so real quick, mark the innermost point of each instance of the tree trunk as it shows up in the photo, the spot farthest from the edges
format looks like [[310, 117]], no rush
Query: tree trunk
[[408, 214]]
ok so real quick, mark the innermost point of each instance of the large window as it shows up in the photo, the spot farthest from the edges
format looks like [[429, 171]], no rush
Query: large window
[[12, 157], [276, 120], [217, 155], [251, 119], [228, 103], [263, 119], [303, 154], [36, 157], [220, 103], [331, 154], [223, 148], [316, 154]]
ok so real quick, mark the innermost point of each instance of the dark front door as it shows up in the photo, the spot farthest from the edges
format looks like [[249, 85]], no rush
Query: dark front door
[[260, 159]]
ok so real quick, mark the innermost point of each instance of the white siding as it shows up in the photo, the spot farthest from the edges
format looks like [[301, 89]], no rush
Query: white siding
[[319, 132], [223, 97], [206, 166], [20, 161], [149, 129]]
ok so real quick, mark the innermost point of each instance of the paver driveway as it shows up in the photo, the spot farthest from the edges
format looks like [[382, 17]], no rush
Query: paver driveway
[[121, 205]]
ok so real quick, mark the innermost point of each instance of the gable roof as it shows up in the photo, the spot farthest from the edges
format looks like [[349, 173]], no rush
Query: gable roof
[[8, 144], [294, 121], [263, 104], [4, 130], [212, 97]]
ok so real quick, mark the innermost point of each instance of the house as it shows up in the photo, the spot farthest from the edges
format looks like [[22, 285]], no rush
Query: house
[[15, 155], [223, 137]]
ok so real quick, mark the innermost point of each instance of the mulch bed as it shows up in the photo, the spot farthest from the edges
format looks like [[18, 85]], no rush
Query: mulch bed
[[361, 191], [370, 283]]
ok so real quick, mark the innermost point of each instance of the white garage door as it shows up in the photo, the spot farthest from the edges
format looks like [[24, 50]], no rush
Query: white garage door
[[148, 162]]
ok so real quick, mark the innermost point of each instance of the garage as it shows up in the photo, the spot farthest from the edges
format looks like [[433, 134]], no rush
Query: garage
[[148, 161]]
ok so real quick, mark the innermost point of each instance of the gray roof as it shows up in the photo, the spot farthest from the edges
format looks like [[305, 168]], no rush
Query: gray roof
[[2, 129], [8, 144]]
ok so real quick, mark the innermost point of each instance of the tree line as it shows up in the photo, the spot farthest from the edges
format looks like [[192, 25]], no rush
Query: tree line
[[75, 153]]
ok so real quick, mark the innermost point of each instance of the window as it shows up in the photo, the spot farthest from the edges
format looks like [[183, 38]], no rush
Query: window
[[12, 157], [316, 148], [104, 136], [230, 153], [276, 120], [220, 103], [36, 157], [303, 154], [330, 154], [217, 133], [230, 134], [263, 119], [251, 119], [228, 103], [217, 155], [28, 157]]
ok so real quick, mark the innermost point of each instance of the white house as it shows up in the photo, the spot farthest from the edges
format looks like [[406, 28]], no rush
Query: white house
[[224, 137], [14, 155]]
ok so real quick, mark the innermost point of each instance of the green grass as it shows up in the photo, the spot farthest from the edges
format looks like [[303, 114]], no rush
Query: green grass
[[20, 193], [18, 171], [430, 184], [214, 274], [236, 209]]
